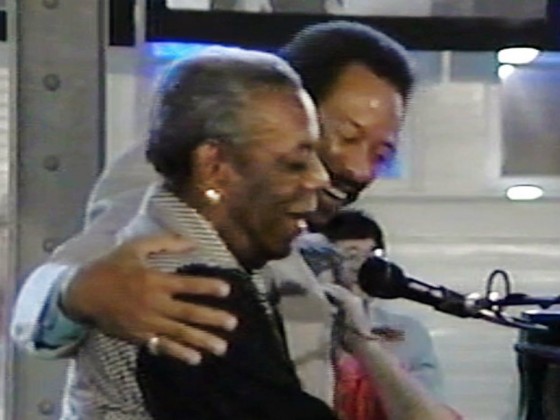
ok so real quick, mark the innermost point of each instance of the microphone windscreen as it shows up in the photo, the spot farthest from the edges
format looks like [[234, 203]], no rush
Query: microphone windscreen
[[380, 278]]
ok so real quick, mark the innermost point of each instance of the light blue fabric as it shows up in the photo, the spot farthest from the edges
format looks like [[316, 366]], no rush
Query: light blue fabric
[[55, 328], [38, 325], [416, 351]]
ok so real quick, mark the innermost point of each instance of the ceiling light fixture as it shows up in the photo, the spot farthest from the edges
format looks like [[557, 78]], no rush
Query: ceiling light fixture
[[517, 55], [524, 192]]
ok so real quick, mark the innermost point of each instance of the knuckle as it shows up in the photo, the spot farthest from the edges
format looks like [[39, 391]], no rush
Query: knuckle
[[192, 336]]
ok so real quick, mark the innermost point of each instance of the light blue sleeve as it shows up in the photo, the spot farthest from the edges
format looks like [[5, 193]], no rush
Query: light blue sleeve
[[56, 330], [424, 363], [38, 325], [416, 352]]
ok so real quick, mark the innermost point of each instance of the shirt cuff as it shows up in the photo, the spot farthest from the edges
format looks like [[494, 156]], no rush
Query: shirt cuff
[[55, 329]]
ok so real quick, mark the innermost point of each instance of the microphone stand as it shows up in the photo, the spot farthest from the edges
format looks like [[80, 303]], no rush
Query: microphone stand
[[495, 311], [538, 348]]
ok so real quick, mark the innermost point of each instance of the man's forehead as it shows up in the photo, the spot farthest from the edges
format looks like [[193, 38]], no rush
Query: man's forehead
[[364, 105], [360, 92], [359, 76], [270, 107]]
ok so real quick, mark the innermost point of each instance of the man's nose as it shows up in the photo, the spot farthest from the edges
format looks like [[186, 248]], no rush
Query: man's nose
[[360, 169]]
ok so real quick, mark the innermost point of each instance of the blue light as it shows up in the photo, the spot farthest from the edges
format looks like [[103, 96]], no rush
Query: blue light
[[175, 50], [393, 168]]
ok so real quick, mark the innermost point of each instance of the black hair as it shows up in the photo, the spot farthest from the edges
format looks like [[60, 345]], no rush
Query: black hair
[[354, 224], [319, 53]]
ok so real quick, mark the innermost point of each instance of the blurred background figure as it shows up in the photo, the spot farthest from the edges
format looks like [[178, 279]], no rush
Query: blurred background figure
[[356, 236]]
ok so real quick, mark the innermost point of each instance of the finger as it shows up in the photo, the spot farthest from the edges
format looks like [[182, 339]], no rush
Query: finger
[[194, 285], [187, 335], [186, 354], [343, 297], [336, 291], [167, 242], [198, 314]]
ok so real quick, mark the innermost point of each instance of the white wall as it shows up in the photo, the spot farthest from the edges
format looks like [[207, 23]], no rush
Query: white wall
[[447, 220], [128, 99]]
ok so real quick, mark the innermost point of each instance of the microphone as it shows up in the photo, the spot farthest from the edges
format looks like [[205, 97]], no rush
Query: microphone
[[383, 279]]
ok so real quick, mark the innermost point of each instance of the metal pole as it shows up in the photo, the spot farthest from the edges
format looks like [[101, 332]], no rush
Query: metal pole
[[58, 134]]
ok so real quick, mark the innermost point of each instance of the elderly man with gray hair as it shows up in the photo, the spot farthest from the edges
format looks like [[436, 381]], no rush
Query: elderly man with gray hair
[[226, 128]]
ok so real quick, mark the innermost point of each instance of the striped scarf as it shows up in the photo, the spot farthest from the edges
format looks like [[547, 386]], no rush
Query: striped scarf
[[102, 383]]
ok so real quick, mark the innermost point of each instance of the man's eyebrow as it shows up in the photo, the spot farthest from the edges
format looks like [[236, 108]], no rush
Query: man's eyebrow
[[356, 124]]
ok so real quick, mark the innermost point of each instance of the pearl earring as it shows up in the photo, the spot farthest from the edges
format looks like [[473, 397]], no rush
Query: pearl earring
[[213, 195]]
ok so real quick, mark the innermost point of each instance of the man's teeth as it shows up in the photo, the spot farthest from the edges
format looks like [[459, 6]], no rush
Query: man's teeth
[[336, 193]]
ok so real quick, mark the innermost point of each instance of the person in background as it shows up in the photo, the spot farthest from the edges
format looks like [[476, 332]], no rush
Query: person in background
[[355, 237]]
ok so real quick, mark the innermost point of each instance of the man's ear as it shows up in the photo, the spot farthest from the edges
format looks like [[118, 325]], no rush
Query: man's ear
[[212, 165]]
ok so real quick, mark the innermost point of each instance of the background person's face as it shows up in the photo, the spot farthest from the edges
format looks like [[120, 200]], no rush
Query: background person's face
[[353, 253], [361, 119], [278, 173]]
